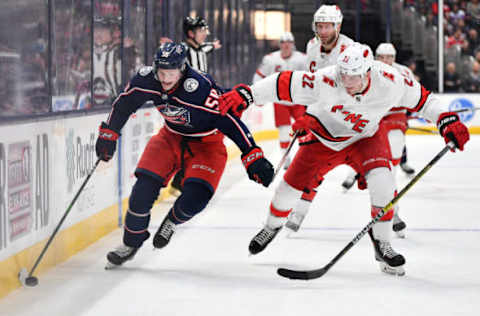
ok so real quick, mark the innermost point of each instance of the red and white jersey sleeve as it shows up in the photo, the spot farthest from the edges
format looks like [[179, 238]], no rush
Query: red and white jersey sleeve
[[407, 74], [317, 58], [342, 118]]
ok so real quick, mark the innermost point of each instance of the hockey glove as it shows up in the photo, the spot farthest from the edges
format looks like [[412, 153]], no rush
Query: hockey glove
[[452, 129], [106, 142], [258, 168], [237, 100], [303, 124]]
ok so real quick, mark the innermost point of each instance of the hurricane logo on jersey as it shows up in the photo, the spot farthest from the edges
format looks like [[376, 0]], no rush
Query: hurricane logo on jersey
[[174, 114]]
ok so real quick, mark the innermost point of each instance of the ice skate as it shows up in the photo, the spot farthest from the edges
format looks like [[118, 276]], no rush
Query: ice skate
[[119, 256], [295, 221], [399, 226], [390, 261], [349, 182], [164, 233], [409, 171], [262, 239]]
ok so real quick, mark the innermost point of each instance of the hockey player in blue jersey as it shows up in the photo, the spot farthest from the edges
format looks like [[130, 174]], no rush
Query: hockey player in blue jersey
[[192, 139]]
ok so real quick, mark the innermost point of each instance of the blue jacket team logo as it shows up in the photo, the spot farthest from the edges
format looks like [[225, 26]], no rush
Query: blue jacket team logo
[[174, 114]]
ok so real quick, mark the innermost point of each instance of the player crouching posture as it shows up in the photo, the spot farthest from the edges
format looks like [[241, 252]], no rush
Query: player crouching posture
[[191, 139], [345, 104]]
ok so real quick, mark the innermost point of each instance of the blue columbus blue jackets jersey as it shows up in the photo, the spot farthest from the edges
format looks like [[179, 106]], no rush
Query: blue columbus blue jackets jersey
[[189, 109]]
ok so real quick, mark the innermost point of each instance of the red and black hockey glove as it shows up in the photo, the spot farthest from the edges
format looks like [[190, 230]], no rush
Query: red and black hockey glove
[[237, 100], [303, 124], [258, 168], [452, 129], [106, 142]]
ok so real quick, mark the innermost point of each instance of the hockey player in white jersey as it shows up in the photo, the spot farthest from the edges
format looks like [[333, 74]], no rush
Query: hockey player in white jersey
[[322, 51], [287, 58], [328, 43], [396, 125], [346, 103]]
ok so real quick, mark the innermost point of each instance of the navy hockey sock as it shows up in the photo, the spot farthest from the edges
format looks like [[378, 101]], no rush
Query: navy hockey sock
[[144, 193], [194, 198]]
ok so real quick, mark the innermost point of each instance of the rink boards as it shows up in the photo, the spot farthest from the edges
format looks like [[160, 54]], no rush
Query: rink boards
[[43, 163]]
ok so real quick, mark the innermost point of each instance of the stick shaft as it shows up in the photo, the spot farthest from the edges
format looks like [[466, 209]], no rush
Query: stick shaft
[[63, 219]]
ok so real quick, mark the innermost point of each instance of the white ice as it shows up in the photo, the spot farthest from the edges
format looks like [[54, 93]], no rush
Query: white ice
[[206, 270]]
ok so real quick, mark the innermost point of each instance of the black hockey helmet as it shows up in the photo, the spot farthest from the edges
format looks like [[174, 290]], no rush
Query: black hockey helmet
[[192, 23], [170, 56]]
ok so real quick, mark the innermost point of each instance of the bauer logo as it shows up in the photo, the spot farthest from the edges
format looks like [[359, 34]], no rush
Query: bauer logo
[[463, 107]]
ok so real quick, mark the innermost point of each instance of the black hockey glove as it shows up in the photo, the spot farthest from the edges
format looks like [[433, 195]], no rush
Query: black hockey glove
[[106, 142], [258, 168]]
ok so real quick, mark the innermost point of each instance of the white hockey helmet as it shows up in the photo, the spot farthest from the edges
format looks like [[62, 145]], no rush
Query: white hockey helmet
[[327, 14], [287, 37], [385, 49], [356, 59]]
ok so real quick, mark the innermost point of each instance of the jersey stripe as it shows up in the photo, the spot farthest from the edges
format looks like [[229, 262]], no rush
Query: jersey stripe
[[195, 106], [284, 82], [242, 132], [260, 73], [322, 132]]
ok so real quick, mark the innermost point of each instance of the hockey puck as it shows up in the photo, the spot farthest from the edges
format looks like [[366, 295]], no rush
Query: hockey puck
[[31, 281]]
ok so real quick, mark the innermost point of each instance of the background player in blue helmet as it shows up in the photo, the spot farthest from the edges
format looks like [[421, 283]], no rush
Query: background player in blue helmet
[[191, 139]]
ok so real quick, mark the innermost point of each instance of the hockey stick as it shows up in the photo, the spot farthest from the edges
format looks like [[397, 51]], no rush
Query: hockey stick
[[317, 273], [466, 110], [285, 155], [29, 279], [424, 130]]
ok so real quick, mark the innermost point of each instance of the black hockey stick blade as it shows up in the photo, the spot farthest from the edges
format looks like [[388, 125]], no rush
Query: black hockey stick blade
[[302, 275], [317, 273]]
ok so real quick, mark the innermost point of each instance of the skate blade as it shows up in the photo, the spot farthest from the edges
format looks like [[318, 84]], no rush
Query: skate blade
[[111, 266], [291, 228], [397, 271]]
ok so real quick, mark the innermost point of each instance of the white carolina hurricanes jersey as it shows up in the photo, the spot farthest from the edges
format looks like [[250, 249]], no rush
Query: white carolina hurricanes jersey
[[317, 58], [407, 73], [274, 62], [344, 119]]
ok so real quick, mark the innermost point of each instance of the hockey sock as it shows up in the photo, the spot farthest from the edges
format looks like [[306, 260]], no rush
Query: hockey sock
[[381, 187], [144, 193], [194, 198]]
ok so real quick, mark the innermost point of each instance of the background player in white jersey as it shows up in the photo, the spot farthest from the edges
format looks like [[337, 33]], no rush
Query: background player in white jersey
[[346, 103], [328, 43], [287, 58], [322, 51], [396, 125]]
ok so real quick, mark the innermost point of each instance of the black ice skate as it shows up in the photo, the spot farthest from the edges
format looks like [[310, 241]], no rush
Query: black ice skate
[[409, 171], [164, 233], [262, 239], [390, 261], [120, 255], [399, 226], [349, 182]]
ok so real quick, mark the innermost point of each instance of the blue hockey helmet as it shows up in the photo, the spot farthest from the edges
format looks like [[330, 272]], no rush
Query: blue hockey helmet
[[170, 56]]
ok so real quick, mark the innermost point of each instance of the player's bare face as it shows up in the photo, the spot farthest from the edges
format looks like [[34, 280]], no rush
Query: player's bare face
[[327, 33], [200, 35], [353, 84], [168, 77], [387, 59], [286, 49]]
